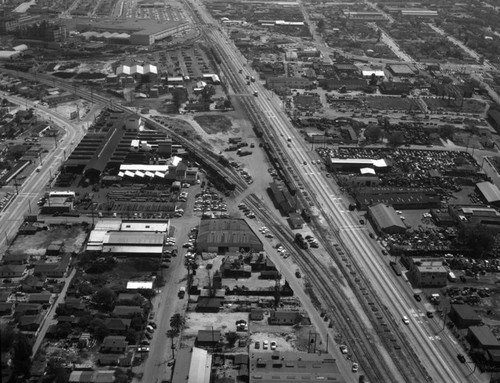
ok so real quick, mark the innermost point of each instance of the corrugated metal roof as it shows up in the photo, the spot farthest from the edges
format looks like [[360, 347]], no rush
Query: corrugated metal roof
[[386, 216], [489, 191]]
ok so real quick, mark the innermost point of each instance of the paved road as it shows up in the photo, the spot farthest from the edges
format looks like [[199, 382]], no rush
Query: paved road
[[440, 363], [34, 185]]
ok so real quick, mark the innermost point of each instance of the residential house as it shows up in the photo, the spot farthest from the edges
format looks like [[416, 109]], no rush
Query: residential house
[[5, 308], [30, 322], [42, 298], [283, 317], [117, 326], [12, 271], [16, 259], [114, 344], [208, 338], [27, 309], [32, 284], [128, 297], [256, 314], [74, 303], [127, 311], [209, 304], [54, 269]]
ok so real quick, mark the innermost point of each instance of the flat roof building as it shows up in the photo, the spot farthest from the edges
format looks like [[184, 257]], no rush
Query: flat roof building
[[481, 338], [427, 272], [464, 316], [277, 366]]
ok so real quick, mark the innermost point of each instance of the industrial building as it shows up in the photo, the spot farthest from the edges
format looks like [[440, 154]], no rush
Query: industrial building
[[464, 316], [475, 215], [355, 164], [398, 197], [277, 366], [193, 365], [282, 199], [141, 32], [385, 219], [483, 342], [128, 237], [227, 235], [489, 192], [427, 272]]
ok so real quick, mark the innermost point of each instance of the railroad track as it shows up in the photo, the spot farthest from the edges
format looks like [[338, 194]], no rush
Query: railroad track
[[354, 334]]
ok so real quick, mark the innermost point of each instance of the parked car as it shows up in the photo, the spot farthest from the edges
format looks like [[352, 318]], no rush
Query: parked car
[[265, 345], [343, 349], [257, 345], [273, 345], [355, 367]]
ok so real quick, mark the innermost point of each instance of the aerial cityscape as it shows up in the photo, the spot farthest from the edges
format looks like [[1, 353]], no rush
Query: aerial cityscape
[[262, 191]]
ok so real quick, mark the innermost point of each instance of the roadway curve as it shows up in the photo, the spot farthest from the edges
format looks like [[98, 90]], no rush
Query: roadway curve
[[35, 184]]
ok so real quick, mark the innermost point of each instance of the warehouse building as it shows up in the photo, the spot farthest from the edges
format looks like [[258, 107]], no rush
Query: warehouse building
[[193, 365], [475, 215], [464, 316], [385, 219], [277, 366], [427, 272], [355, 164], [128, 238], [489, 192], [227, 235], [398, 197]]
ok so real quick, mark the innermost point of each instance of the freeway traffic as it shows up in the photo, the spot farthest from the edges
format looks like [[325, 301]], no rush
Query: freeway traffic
[[425, 355]]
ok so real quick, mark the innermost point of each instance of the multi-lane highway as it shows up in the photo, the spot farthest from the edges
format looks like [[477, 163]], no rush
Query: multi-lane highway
[[427, 353]]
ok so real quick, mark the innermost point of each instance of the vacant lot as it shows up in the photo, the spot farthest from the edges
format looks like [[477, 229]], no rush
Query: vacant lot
[[72, 238], [214, 124]]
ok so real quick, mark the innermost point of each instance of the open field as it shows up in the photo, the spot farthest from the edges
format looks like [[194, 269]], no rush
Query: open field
[[214, 124]]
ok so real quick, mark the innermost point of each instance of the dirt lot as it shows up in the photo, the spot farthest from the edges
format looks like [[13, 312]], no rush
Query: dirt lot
[[129, 269], [214, 124], [72, 237], [288, 338]]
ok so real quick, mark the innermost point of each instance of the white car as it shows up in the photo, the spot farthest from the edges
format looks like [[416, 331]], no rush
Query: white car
[[343, 349], [355, 367], [273, 345], [406, 320]]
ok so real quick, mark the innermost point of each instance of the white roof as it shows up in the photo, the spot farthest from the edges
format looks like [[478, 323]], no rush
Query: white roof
[[20, 48], [144, 226], [8, 54], [367, 171], [139, 174], [148, 68], [199, 368], [129, 173], [175, 79], [134, 285], [144, 167], [361, 161], [378, 73], [127, 249]]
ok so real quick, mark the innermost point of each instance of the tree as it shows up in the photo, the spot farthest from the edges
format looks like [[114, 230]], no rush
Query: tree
[[177, 322], [172, 334], [131, 336], [6, 337], [232, 337], [396, 139], [478, 237], [207, 93], [21, 359], [105, 298], [447, 131], [373, 80], [99, 329], [63, 330], [373, 133]]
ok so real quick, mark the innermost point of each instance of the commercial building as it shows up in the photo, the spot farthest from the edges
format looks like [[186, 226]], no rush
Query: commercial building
[[271, 367], [475, 215], [398, 197], [227, 235], [355, 164], [141, 32], [482, 339], [464, 316], [128, 238], [274, 83], [401, 70], [193, 365], [427, 272], [385, 219]]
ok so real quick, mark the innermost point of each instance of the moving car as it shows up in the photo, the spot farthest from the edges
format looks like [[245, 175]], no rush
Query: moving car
[[461, 358], [417, 297], [406, 320]]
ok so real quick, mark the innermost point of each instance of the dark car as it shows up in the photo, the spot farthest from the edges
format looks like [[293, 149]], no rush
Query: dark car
[[461, 358], [430, 314], [417, 297]]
